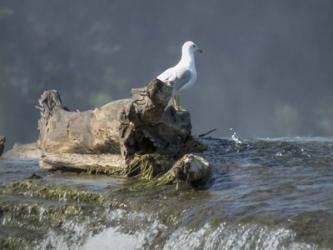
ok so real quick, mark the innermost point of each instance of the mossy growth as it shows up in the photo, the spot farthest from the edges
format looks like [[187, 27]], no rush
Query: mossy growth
[[152, 170], [156, 167], [105, 170], [15, 243], [148, 166], [35, 216], [167, 178], [40, 189]]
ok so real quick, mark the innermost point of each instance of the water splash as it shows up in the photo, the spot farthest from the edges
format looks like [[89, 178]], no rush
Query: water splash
[[122, 235], [234, 137], [116, 238], [231, 237]]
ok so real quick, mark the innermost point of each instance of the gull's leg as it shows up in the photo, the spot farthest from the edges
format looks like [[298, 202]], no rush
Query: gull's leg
[[177, 103], [173, 101]]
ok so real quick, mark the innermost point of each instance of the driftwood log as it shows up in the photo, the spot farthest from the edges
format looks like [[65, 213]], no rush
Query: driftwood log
[[93, 131], [102, 163], [137, 136], [142, 124], [2, 144]]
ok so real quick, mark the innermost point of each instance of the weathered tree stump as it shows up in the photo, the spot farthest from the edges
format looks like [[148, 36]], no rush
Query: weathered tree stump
[[139, 125], [138, 136], [92, 131], [2, 144]]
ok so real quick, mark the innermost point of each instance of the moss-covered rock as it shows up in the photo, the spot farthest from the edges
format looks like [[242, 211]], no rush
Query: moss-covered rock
[[17, 242], [40, 189], [161, 170], [190, 168]]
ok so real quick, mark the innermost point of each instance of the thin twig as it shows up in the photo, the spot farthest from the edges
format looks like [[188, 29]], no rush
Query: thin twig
[[207, 133]]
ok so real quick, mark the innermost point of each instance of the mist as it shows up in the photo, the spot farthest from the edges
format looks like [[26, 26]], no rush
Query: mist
[[266, 70]]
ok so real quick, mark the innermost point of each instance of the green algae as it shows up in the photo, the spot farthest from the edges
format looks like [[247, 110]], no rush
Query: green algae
[[11, 242], [34, 215], [156, 167], [151, 170], [148, 166], [104, 170], [40, 189]]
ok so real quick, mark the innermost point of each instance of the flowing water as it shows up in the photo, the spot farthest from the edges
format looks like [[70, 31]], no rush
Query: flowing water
[[262, 194]]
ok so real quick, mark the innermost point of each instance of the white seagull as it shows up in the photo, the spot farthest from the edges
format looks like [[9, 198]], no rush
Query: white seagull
[[183, 74]]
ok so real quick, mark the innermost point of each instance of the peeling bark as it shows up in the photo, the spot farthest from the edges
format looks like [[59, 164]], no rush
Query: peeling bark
[[92, 131], [147, 125], [102, 163], [138, 125]]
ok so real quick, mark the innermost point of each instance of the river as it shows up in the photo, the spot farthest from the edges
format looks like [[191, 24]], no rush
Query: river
[[262, 194]]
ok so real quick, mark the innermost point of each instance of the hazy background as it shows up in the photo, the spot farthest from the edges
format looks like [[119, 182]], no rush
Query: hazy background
[[266, 70]]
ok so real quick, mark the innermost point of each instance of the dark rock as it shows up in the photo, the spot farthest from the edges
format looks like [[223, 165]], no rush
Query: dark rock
[[2, 144], [34, 176]]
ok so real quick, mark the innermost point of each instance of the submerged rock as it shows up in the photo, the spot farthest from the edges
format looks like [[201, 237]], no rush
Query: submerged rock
[[190, 168], [162, 170], [2, 144]]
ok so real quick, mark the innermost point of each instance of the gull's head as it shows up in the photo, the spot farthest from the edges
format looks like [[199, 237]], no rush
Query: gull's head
[[191, 47]]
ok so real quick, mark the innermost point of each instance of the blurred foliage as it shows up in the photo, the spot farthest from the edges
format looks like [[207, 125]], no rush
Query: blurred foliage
[[5, 12], [260, 56]]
